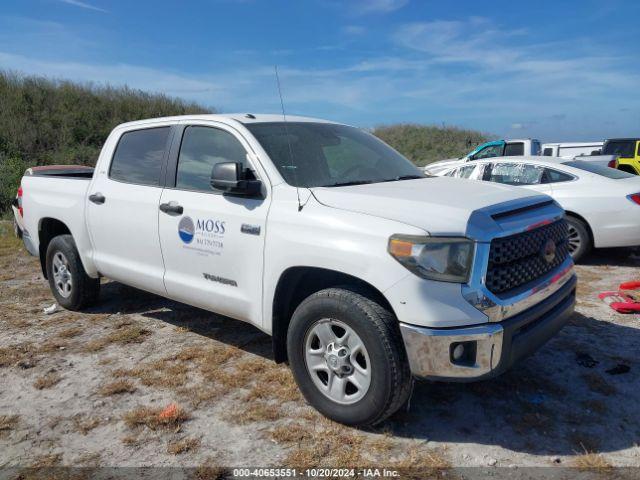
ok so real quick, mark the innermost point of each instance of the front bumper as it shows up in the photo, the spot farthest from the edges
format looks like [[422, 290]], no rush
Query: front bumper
[[491, 348]]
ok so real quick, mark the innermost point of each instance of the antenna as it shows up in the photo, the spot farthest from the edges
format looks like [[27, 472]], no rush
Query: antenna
[[286, 132]]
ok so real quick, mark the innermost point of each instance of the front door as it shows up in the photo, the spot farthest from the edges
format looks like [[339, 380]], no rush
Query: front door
[[212, 243]]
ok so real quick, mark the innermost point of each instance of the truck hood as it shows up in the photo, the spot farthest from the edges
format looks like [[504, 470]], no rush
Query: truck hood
[[437, 205]]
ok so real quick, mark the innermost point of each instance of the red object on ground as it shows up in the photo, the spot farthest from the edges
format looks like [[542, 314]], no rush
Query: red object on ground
[[625, 300], [169, 412]]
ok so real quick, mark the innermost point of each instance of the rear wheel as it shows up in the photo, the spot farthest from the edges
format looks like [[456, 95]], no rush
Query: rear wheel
[[69, 282], [579, 238], [347, 356]]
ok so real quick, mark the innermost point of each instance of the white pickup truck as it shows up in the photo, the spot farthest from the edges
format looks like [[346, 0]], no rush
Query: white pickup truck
[[364, 271]]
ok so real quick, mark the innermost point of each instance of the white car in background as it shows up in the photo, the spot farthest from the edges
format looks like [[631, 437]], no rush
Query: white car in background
[[495, 148], [602, 204]]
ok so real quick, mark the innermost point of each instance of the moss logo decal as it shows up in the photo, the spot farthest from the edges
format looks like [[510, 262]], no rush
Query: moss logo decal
[[202, 235], [186, 230]]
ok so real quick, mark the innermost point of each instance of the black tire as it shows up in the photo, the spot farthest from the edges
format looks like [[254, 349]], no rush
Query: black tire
[[580, 241], [378, 329], [16, 230], [84, 290]]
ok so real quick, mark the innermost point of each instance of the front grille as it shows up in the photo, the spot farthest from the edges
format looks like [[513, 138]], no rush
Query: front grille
[[519, 259]]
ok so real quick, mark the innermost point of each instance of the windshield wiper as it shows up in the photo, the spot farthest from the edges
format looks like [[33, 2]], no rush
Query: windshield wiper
[[404, 177], [346, 184]]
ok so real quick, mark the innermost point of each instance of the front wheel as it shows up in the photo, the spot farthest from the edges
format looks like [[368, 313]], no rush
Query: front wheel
[[347, 356], [69, 282]]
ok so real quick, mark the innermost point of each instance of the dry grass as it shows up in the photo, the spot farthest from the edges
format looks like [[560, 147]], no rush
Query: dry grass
[[598, 384], [420, 463], [291, 433], [590, 461], [255, 412], [182, 446], [15, 353], [201, 394], [116, 388], [70, 332], [84, 424], [124, 334], [152, 418], [276, 383], [131, 441], [9, 422], [211, 472], [47, 381]]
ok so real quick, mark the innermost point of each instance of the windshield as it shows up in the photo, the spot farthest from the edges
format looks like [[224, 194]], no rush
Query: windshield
[[622, 148], [329, 155], [599, 169]]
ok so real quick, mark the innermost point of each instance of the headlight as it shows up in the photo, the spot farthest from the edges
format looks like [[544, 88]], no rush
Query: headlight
[[434, 258]]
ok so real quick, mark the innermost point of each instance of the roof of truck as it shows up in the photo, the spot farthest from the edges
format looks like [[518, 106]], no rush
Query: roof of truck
[[246, 118]]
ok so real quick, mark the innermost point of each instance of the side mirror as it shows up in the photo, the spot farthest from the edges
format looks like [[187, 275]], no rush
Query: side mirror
[[232, 178]]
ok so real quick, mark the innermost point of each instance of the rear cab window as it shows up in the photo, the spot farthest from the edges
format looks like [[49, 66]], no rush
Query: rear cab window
[[621, 148], [139, 156], [514, 149]]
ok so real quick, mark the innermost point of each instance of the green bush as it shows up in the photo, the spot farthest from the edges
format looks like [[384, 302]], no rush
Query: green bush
[[11, 170], [45, 122], [425, 144]]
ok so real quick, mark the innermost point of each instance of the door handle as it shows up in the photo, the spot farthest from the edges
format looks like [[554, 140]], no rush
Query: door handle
[[97, 198], [171, 208]]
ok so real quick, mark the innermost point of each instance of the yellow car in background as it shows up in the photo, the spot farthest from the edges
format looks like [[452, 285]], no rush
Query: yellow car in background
[[628, 152]]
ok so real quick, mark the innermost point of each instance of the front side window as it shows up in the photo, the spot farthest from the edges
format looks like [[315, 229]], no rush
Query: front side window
[[548, 152], [311, 154], [139, 155], [514, 149], [516, 174], [489, 152], [201, 149], [621, 148], [465, 171]]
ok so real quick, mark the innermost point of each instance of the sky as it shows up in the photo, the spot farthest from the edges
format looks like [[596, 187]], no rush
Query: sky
[[554, 70]]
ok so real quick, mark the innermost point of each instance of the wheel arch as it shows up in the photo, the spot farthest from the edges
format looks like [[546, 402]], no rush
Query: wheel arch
[[577, 216], [297, 283], [48, 229]]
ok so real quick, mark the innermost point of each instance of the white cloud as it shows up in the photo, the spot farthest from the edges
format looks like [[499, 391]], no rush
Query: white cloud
[[86, 6], [377, 6]]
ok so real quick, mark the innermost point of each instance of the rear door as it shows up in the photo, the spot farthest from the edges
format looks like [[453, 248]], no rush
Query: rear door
[[212, 243], [122, 209]]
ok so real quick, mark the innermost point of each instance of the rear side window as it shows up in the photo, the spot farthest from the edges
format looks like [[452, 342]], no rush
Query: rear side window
[[554, 176], [514, 149], [548, 152], [139, 155], [201, 149], [621, 148]]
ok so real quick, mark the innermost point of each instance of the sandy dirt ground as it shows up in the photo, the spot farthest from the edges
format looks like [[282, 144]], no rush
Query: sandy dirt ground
[[143, 381]]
